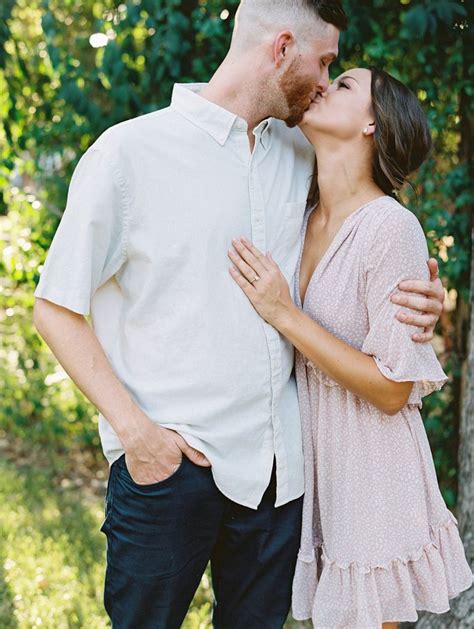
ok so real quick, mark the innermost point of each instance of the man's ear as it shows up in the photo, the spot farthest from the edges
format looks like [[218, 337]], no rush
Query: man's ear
[[369, 129], [280, 47]]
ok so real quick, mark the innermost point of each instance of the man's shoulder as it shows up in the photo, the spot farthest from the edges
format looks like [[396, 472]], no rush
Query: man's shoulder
[[127, 133]]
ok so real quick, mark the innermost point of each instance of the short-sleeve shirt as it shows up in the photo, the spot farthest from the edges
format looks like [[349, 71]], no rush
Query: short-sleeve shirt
[[142, 247]]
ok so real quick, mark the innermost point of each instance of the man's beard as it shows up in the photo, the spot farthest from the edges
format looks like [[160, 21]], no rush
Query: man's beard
[[297, 92]]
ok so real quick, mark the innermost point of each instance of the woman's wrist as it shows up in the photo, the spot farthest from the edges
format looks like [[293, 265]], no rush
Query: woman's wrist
[[288, 320]]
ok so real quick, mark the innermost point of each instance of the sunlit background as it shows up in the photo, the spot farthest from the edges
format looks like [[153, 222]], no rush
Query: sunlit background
[[68, 70]]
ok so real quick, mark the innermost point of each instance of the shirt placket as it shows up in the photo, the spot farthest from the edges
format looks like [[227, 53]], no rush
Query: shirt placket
[[257, 215]]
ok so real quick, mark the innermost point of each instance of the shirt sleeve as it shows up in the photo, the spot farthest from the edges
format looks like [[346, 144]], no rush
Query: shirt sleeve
[[89, 246], [399, 252]]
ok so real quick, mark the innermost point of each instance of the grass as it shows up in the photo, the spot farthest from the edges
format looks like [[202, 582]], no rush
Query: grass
[[52, 554]]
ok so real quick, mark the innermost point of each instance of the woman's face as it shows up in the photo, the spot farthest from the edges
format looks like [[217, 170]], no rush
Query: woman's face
[[344, 111]]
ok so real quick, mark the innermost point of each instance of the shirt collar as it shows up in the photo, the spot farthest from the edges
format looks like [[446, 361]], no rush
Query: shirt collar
[[263, 130], [215, 120]]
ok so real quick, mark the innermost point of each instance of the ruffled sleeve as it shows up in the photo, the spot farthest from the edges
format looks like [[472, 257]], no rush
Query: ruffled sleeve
[[398, 252]]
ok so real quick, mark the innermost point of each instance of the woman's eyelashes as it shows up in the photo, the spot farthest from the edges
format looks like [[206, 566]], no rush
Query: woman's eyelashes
[[342, 84]]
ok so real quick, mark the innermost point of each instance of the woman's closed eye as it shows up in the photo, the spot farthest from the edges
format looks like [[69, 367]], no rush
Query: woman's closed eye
[[343, 84]]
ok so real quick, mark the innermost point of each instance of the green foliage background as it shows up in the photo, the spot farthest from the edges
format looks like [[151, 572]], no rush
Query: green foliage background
[[58, 93]]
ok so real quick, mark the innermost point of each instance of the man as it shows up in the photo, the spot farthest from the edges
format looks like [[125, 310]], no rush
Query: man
[[184, 373]]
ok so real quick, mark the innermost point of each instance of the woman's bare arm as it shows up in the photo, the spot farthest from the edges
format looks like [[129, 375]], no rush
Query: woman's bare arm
[[348, 366]]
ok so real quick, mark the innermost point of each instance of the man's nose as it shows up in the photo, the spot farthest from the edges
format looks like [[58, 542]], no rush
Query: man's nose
[[323, 83]]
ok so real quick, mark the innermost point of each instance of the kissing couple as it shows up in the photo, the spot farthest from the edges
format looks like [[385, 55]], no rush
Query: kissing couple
[[261, 306]]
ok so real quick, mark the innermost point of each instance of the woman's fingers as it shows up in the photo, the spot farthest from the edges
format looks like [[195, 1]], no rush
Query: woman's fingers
[[244, 284], [249, 273], [252, 269], [249, 260], [251, 247], [251, 255]]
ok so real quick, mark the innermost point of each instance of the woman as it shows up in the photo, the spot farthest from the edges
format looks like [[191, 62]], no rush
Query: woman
[[378, 541]]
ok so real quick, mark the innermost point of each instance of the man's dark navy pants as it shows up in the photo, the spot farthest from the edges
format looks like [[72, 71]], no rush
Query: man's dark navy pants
[[161, 537]]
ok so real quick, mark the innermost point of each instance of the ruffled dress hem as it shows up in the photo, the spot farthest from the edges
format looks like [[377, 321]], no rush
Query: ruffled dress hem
[[336, 593]]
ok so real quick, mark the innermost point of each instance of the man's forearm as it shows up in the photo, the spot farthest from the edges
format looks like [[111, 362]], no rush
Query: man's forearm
[[76, 347]]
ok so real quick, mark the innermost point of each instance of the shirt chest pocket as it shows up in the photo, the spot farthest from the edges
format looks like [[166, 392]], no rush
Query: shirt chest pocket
[[289, 237]]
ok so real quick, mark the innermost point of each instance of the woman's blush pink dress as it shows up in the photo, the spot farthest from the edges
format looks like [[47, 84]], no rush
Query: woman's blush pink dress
[[378, 542]]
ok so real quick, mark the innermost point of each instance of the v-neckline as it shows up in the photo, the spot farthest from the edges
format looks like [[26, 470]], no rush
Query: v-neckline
[[329, 251]]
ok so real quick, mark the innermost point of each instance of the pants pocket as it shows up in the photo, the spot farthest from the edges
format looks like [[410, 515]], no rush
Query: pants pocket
[[125, 474], [142, 535]]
